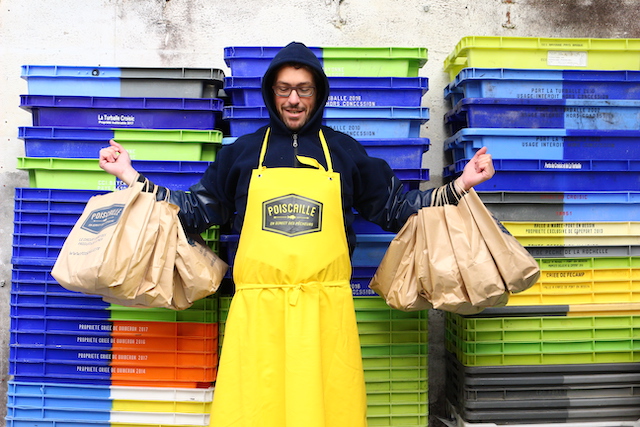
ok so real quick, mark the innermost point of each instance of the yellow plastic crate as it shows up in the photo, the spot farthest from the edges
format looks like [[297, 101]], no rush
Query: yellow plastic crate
[[585, 292], [543, 53], [161, 406], [575, 233]]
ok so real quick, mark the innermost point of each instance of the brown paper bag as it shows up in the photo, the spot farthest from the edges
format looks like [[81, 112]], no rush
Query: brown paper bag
[[395, 279], [441, 278], [158, 287], [103, 251], [200, 269], [519, 270], [480, 276]]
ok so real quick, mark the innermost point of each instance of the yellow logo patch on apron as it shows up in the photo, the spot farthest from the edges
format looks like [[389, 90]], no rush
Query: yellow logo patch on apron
[[292, 215]]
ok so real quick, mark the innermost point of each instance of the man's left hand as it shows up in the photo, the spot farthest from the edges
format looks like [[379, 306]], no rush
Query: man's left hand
[[478, 170]]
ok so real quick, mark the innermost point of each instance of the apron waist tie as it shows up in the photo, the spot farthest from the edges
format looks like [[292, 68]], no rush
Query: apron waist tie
[[296, 288]]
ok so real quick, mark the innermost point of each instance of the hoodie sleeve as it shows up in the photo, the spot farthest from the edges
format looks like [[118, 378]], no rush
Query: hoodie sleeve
[[380, 197]]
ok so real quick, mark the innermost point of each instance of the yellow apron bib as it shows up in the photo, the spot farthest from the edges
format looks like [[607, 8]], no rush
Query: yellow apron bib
[[291, 354]]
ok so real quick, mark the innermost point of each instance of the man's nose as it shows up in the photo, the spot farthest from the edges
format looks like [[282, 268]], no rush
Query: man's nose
[[293, 97]]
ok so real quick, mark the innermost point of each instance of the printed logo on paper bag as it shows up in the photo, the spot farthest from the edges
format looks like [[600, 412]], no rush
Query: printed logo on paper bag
[[292, 215], [102, 218]]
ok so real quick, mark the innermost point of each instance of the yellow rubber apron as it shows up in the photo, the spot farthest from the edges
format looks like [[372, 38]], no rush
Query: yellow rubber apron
[[291, 353]]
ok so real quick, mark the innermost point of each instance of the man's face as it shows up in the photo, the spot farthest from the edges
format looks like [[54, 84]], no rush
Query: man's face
[[294, 110]]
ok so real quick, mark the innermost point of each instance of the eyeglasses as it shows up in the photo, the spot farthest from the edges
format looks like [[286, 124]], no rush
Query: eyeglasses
[[302, 91]]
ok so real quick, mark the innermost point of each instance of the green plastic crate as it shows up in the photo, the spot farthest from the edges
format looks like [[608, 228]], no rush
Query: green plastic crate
[[373, 61], [394, 338], [65, 173], [170, 144], [202, 311], [397, 386], [392, 326], [546, 328], [395, 374], [408, 361], [405, 420], [543, 353], [394, 350], [386, 398], [211, 238], [402, 409]]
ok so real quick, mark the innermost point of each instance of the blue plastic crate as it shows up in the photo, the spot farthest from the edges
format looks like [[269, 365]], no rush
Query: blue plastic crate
[[33, 422], [26, 246], [97, 311], [360, 287], [97, 341], [250, 61], [370, 249], [362, 226], [360, 123], [400, 153], [57, 371], [556, 175], [553, 144], [41, 228], [122, 81], [76, 408], [110, 112], [57, 414], [48, 389], [34, 279], [49, 211], [70, 325], [345, 91], [60, 299], [543, 84], [53, 355], [547, 114], [563, 206], [57, 198]]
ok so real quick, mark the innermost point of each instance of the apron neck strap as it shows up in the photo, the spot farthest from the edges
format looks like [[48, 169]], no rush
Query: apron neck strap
[[323, 142]]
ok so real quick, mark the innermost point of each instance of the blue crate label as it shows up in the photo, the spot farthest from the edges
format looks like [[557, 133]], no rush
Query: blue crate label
[[562, 165], [102, 218], [292, 215], [349, 101], [116, 119], [359, 289]]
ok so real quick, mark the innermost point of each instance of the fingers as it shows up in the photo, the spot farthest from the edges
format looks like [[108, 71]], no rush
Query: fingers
[[110, 154]]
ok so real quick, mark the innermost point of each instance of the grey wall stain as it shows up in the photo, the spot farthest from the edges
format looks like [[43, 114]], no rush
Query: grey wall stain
[[589, 18]]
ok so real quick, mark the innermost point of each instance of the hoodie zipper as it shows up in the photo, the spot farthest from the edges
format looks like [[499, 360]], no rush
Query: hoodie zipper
[[295, 147]]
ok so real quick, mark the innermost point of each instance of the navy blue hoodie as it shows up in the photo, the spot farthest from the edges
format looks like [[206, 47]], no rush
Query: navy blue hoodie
[[368, 184]]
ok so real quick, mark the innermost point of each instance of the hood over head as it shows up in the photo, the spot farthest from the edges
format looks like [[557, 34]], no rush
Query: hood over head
[[296, 52]]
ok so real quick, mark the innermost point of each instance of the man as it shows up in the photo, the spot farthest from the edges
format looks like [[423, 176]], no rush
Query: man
[[291, 352]]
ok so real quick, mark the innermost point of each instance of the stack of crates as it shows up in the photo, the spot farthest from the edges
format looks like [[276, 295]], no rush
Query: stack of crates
[[561, 119], [375, 96], [75, 359]]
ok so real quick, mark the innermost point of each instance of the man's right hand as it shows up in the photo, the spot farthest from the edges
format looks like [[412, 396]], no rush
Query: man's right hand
[[116, 161]]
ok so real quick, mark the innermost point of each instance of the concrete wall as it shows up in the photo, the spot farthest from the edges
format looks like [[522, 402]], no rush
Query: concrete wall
[[193, 33]]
